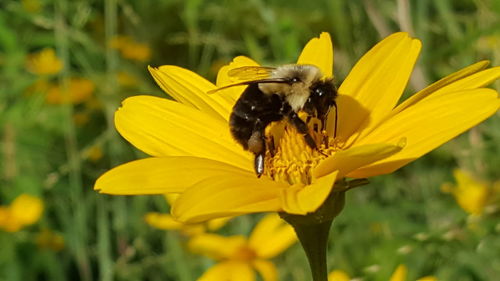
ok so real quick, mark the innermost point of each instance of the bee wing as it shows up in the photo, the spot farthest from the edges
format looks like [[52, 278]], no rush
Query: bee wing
[[250, 73], [268, 80]]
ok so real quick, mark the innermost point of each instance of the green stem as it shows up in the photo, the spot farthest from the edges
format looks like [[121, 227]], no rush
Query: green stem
[[312, 230], [314, 240]]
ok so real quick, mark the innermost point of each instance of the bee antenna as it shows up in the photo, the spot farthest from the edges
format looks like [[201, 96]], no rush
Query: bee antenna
[[336, 117]]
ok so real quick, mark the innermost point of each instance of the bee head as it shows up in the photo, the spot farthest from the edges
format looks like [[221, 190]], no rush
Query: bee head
[[321, 99]]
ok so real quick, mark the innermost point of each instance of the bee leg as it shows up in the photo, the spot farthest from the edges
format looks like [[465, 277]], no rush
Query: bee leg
[[257, 145], [324, 137], [325, 141], [272, 146], [259, 164], [336, 117], [316, 127], [302, 128]]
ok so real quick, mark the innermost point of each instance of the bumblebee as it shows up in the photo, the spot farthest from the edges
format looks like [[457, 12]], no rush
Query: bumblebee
[[275, 94]]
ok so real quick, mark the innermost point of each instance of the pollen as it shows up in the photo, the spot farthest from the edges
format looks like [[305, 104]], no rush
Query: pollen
[[290, 159]]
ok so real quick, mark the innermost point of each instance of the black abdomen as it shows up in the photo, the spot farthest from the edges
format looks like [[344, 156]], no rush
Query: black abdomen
[[253, 111]]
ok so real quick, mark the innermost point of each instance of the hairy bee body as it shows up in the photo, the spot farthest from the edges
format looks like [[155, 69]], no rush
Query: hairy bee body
[[281, 95], [253, 112]]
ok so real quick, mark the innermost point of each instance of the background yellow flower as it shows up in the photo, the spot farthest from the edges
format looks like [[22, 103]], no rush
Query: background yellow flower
[[338, 275], [472, 195], [23, 211], [78, 90], [131, 49], [44, 62], [167, 222], [238, 257], [399, 274]]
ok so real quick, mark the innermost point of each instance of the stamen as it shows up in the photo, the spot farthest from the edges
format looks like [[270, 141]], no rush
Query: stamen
[[292, 160]]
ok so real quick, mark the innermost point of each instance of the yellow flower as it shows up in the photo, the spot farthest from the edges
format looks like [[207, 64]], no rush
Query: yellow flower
[[131, 49], [470, 194], [428, 278], [78, 90], [136, 51], [44, 62], [401, 273], [193, 153], [338, 275], [167, 222], [238, 256], [23, 211]]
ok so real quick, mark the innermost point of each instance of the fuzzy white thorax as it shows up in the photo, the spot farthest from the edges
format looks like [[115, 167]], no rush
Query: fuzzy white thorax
[[296, 94]]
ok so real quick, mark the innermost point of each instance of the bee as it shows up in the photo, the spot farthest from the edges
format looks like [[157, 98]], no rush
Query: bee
[[275, 94]]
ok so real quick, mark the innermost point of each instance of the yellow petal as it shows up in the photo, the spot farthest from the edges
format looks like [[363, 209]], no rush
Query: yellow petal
[[266, 269], [319, 52], [229, 271], [466, 79], [476, 80], [26, 209], [162, 221], [170, 198], [227, 196], [163, 175], [271, 236], [45, 62], [162, 127], [338, 275], [375, 84], [216, 224], [464, 179], [400, 273], [302, 200], [4, 216], [428, 278], [346, 161], [7, 221], [216, 246], [233, 93], [191, 89], [427, 125], [240, 61], [451, 79], [471, 195]]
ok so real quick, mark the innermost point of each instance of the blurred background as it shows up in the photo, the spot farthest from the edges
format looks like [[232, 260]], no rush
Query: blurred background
[[65, 66]]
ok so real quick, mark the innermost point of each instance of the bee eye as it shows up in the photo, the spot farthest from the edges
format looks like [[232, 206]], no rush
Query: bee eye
[[319, 92], [295, 80]]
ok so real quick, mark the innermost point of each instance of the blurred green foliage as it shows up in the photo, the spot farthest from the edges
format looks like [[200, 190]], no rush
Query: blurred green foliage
[[56, 151]]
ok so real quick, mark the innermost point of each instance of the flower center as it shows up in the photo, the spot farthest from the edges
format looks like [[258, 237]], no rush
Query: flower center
[[289, 158], [245, 254]]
